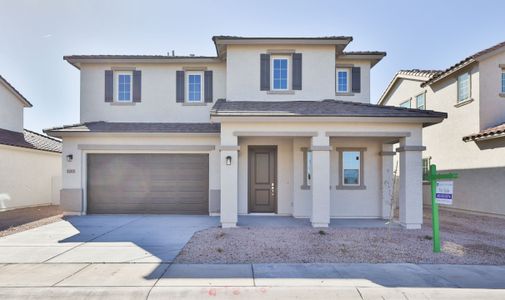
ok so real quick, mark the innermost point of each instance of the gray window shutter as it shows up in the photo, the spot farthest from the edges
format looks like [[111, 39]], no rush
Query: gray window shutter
[[109, 86], [356, 80], [297, 71], [265, 72], [179, 86], [137, 86], [207, 85]]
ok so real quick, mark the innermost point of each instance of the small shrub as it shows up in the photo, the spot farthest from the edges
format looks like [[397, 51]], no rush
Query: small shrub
[[220, 250], [322, 232], [427, 237]]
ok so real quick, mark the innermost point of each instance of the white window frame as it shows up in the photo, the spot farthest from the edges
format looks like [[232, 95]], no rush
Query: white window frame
[[288, 75], [502, 78], [417, 104], [116, 86], [188, 73], [348, 85], [458, 100], [406, 101]]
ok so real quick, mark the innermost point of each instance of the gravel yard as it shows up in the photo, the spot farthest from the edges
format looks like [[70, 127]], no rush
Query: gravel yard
[[466, 239], [17, 220]]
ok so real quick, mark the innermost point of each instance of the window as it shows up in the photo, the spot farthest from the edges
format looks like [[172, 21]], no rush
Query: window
[[463, 87], [280, 68], [426, 168], [307, 169], [124, 86], [503, 82], [420, 101], [194, 87], [406, 104], [351, 167], [342, 80]]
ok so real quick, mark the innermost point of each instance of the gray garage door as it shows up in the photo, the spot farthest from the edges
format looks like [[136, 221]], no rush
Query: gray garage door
[[148, 183]]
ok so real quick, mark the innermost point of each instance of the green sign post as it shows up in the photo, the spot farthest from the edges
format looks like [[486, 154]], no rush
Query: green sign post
[[433, 177]]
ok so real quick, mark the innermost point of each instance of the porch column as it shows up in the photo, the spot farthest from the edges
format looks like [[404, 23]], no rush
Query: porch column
[[229, 182], [320, 147], [411, 183], [388, 166]]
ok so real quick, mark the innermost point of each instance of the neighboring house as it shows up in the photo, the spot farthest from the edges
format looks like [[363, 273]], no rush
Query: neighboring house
[[280, 126], [471, 142], [30, 163]]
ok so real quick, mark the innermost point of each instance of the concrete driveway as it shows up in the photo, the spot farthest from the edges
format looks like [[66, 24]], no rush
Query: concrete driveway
[[104, 239]]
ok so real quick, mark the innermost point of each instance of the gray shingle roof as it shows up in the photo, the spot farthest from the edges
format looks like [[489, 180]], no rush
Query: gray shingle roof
[[29, 139], [138, 127], [325, 108]]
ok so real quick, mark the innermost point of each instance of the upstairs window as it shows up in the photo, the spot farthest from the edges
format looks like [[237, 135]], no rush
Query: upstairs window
[[194, 87], [421, 101], [280, 71], [342, 80], [503, 82], [463, 87], [124, 86], [406, 104]]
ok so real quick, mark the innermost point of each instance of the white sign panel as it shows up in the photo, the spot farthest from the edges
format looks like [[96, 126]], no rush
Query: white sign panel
[[444, 191]]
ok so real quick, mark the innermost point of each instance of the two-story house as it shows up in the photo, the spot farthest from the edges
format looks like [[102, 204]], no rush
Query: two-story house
[[280, 126], [30, 163], [471, 141]]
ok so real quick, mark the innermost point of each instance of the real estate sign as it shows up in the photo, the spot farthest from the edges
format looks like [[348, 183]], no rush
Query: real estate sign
[[444, 193]]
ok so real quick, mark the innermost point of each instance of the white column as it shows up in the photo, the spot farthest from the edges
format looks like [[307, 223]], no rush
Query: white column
[[387, 154], [229, 181], [411, 184], [320, 181]]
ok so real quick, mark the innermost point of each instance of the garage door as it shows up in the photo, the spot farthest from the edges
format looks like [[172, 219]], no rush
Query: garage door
[[148, 183]]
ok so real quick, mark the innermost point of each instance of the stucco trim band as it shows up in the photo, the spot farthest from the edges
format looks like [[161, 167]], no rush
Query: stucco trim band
[[367, 134], [320, 148], [228, 148], [147, 147], [410, 148], [275, 133], [387, 153]]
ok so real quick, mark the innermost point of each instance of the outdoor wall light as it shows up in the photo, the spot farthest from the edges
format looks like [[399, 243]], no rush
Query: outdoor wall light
[[70, 157], [228, 160]]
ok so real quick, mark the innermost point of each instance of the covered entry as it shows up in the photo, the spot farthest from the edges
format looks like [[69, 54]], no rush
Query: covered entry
[[147, 183]]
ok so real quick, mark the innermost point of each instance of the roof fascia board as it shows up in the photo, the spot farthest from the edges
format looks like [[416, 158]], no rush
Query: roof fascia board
[[67, 133], [77, 62], [449, 73], [16, 94], [319, 119]]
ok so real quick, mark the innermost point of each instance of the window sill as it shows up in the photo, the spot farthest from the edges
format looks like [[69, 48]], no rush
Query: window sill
[[305, 187], [123, 103], [344, 94], [194, 104], [464, 102], [501, 95], [287, 92], [351, 187]]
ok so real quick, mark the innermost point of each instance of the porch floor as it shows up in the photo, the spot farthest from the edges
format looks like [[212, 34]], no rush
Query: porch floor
[[291, 222]]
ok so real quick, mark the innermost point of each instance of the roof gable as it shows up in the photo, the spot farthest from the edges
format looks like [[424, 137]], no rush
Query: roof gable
[[413, 74], [15, 92]]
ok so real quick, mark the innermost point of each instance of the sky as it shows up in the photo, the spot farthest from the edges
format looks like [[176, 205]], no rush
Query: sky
[[36, 34]]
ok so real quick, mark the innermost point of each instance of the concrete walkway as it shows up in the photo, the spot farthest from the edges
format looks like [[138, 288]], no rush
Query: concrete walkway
[[270, 281]]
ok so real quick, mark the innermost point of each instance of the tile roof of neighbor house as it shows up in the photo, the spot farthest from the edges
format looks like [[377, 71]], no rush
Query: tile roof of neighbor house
[[493, 132], [29, 139], [138, 127], [232, 37], [465, 62], [13, 89], [324, 108], [418, 74]]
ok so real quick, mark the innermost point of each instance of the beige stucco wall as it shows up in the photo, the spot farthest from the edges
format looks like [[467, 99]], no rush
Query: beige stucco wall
[[28, 177], [492, 106], [318, 74], [74, 173], [11, 111], [403, 90], [158, 95]]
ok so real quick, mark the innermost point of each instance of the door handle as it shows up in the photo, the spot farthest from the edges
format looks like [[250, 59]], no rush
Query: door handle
[[273, 188]]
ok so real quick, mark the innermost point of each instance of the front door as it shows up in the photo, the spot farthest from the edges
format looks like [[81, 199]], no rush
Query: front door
[[262, 179]]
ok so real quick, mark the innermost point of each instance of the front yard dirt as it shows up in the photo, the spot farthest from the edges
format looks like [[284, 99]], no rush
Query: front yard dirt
[[17, 220], [466, 239]]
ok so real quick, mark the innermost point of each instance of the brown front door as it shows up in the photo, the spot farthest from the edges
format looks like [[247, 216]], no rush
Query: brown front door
[[262, 179]]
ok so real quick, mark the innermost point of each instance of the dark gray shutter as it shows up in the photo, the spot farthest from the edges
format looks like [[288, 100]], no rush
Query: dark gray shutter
[[179, 86], [208, 86], [265, 72], [356, 80], [137, 86], [109, 86], [297, 71]]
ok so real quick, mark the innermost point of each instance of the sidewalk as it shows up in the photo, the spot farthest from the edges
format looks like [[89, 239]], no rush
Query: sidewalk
[[268, 281]]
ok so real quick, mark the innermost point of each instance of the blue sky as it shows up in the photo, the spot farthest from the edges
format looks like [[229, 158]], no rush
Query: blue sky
[[34, 36]]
